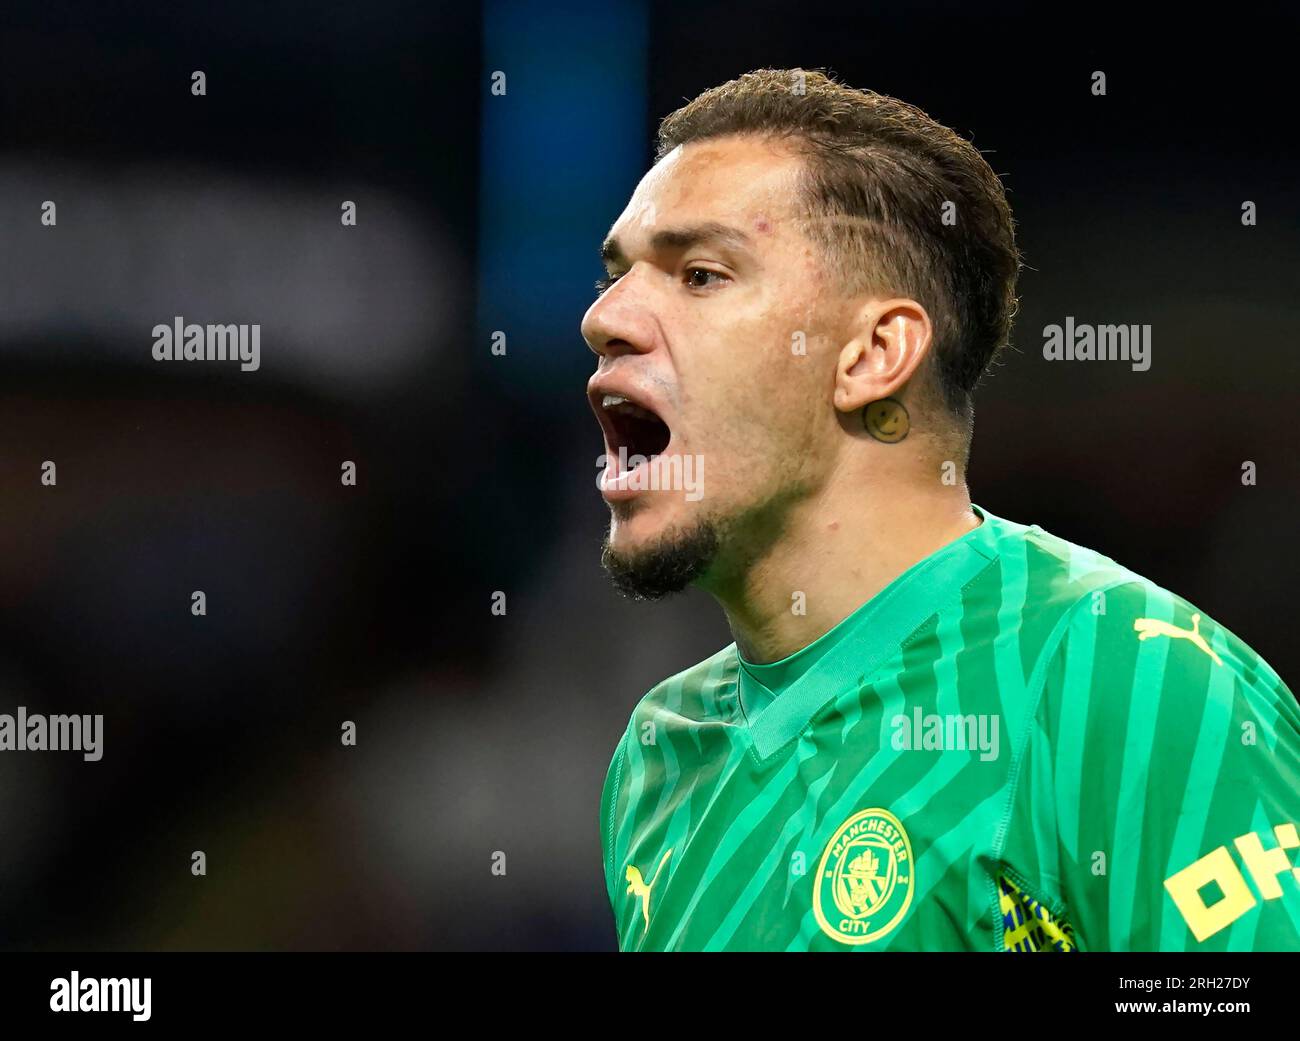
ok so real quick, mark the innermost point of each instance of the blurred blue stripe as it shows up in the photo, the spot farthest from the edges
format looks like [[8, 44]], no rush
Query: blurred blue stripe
[[561, 152]]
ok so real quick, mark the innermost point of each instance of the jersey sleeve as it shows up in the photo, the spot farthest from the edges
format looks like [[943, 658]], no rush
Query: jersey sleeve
[[608, 805], [1158, 791]]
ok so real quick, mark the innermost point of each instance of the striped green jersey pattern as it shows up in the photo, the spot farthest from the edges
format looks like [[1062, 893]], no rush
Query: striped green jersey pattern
[[1016, 727]]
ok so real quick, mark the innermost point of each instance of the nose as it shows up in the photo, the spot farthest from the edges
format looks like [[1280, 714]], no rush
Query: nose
[[619, 322]]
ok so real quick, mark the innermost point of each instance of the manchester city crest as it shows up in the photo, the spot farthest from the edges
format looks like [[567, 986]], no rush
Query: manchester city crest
[[864, 882]]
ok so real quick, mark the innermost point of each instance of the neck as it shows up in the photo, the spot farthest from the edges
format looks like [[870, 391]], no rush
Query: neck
[[838, 549]]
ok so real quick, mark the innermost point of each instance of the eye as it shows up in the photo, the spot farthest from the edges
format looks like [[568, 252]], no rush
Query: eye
[[603, 284], [703, 278]]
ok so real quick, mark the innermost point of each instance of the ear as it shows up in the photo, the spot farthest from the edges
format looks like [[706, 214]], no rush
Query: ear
[[891, 339]]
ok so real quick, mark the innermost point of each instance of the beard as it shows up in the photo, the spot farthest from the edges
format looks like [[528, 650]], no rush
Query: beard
[[668, 566]]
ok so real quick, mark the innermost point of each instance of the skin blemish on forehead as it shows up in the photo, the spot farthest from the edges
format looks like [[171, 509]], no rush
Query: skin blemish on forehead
[[762, 225]]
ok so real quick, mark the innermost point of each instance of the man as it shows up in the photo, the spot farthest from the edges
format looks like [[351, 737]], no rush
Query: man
[[936, 729]]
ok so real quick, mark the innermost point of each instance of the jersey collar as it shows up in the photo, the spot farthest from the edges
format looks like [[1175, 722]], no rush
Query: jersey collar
[[865, 640]]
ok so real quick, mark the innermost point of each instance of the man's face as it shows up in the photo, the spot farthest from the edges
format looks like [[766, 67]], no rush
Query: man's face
[[718, 321]]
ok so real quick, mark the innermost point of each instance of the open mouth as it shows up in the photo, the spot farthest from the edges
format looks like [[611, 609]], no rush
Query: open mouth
[[632, 430]]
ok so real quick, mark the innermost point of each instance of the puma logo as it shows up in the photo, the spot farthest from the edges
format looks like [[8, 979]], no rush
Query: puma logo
[[1149, 627], [638, 888]]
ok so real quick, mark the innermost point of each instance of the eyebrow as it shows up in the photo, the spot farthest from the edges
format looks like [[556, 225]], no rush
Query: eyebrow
[[667, 239]]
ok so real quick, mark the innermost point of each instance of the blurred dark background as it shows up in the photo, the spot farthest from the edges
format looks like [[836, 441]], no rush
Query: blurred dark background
[[481, 213]]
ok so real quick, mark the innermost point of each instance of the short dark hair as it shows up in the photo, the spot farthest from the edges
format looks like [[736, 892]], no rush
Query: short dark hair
[[879, 173]]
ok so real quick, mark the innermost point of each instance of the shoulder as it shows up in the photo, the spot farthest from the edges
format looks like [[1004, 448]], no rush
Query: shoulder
[[1103, 639], [687, 696], [1082, 598], [1060, 576], [1039, 580], [1130, 650], [691, 694]]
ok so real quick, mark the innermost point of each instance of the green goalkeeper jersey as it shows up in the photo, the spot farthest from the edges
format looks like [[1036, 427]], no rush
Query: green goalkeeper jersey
[[1016, 745]]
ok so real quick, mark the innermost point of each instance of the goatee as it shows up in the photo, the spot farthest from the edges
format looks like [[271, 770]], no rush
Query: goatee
[[676, 560]]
